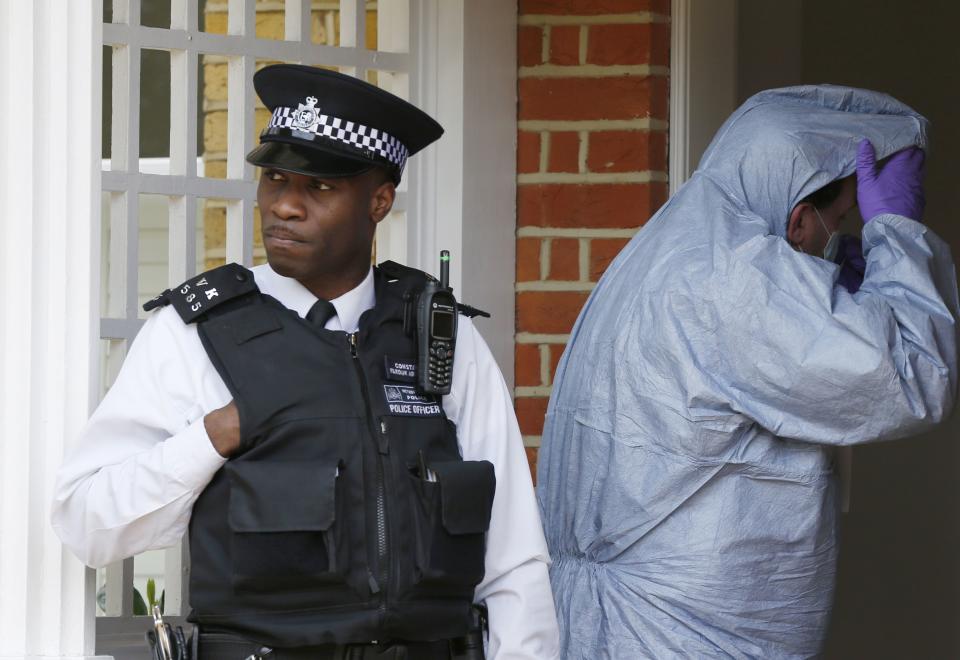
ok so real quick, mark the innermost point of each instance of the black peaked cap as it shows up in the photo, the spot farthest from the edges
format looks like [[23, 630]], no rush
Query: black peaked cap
[[326, 123]]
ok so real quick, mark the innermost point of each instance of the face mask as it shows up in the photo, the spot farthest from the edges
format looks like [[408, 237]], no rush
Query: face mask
[[833, 240]]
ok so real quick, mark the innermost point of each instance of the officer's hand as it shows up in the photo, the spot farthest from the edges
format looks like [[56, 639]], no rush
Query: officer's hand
[[896, 188], [223, 427]]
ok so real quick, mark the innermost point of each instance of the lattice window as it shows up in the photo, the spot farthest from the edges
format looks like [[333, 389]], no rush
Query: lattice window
[[178, 196]]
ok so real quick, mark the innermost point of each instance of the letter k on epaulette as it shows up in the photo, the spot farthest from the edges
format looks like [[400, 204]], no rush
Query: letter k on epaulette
[[200, 294]]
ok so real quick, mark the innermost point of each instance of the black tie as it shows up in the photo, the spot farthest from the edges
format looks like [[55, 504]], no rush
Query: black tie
[[321, 312]]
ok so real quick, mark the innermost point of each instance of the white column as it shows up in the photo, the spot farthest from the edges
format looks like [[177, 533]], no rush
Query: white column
[[466, 77], [49, 211]]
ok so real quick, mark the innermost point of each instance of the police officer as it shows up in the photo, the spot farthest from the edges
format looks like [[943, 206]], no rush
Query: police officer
[[335, 507]]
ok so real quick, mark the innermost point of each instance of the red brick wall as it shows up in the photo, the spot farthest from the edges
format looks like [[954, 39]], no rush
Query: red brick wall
[[591, 163]]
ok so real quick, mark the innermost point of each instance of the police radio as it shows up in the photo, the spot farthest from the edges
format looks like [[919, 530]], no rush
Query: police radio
[[436, 332]]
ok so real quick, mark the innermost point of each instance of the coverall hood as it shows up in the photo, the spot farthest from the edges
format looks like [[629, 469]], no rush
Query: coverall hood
[[783, 144]]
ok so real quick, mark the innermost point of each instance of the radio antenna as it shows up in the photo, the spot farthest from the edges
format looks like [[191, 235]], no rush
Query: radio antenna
[[444, 269]]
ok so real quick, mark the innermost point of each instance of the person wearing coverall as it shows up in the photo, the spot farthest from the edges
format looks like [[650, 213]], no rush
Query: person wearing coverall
[[686, 478], [335, 510]]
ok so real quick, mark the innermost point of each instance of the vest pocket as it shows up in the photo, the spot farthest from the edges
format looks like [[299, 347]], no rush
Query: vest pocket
[[452, 515], [287, 523]]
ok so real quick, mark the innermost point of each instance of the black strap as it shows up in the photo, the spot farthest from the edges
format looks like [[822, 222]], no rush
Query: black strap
[[470, 311], [222, 646], [395, 271]]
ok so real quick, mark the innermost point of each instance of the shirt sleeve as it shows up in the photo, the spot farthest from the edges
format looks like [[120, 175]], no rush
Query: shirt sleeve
[[516, 585], [809, 361], [129, 482]]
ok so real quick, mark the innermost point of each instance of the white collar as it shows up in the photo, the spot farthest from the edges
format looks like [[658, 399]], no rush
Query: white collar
[[297, 297]]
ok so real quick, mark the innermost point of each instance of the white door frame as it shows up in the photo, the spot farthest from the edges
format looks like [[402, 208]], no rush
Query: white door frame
[[468, 82], [703, 79]]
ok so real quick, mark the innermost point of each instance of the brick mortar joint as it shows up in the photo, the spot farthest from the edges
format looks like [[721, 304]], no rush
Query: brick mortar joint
[[554, 286], [550, 71], [594, 125], [635, 18], [592, 178], [576, 232], [531, 391]]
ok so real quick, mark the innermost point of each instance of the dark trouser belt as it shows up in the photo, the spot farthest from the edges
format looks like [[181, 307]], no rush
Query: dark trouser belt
[[220, 646]]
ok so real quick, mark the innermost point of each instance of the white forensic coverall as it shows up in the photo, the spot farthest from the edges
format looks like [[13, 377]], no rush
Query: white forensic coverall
[[686, 479]]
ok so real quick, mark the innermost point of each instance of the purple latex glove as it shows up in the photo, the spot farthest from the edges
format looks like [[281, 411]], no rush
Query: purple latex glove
[[852, 263], [897, 187]]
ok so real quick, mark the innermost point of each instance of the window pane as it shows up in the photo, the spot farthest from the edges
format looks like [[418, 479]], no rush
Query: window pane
[[114, 255], [155, 13], [147, 567], [105, 291], [270, 20], [101, 590], [369, 9], [325, 23], [392, 25], [112, 353], [155, 111], [152, 255], [106, 97], [213, 16], [213, 105], [211, 233]]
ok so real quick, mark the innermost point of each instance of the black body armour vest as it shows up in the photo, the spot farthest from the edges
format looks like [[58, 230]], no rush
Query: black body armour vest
[[348, 514]]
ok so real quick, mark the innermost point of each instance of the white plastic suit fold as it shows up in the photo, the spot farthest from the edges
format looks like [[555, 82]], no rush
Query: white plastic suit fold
[[686, 476]]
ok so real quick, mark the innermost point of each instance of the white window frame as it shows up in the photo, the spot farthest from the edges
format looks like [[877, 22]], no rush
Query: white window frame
[[119, 630]]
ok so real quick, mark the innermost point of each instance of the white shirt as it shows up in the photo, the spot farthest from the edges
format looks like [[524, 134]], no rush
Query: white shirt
[[130, 481]]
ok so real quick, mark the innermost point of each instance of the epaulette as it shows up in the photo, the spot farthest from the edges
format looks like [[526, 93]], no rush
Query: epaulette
[[204, 292], [396, 271]]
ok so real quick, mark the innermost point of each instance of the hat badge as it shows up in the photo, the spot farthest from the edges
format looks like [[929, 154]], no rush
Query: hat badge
[[307, 116]]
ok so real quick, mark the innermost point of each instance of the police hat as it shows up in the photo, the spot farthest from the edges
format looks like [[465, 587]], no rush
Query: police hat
[[328, 124]]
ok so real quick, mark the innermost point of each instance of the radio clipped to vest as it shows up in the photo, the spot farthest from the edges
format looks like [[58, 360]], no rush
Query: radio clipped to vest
[[431, 317], [436, 328]]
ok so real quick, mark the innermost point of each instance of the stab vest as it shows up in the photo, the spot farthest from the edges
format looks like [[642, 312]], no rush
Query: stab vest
[[348, 514]]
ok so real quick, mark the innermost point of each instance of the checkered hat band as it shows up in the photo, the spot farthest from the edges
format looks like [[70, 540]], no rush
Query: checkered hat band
[[349, 132]]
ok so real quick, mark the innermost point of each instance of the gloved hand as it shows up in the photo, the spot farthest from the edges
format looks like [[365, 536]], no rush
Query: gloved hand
[[852, 263], [896, 188]]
